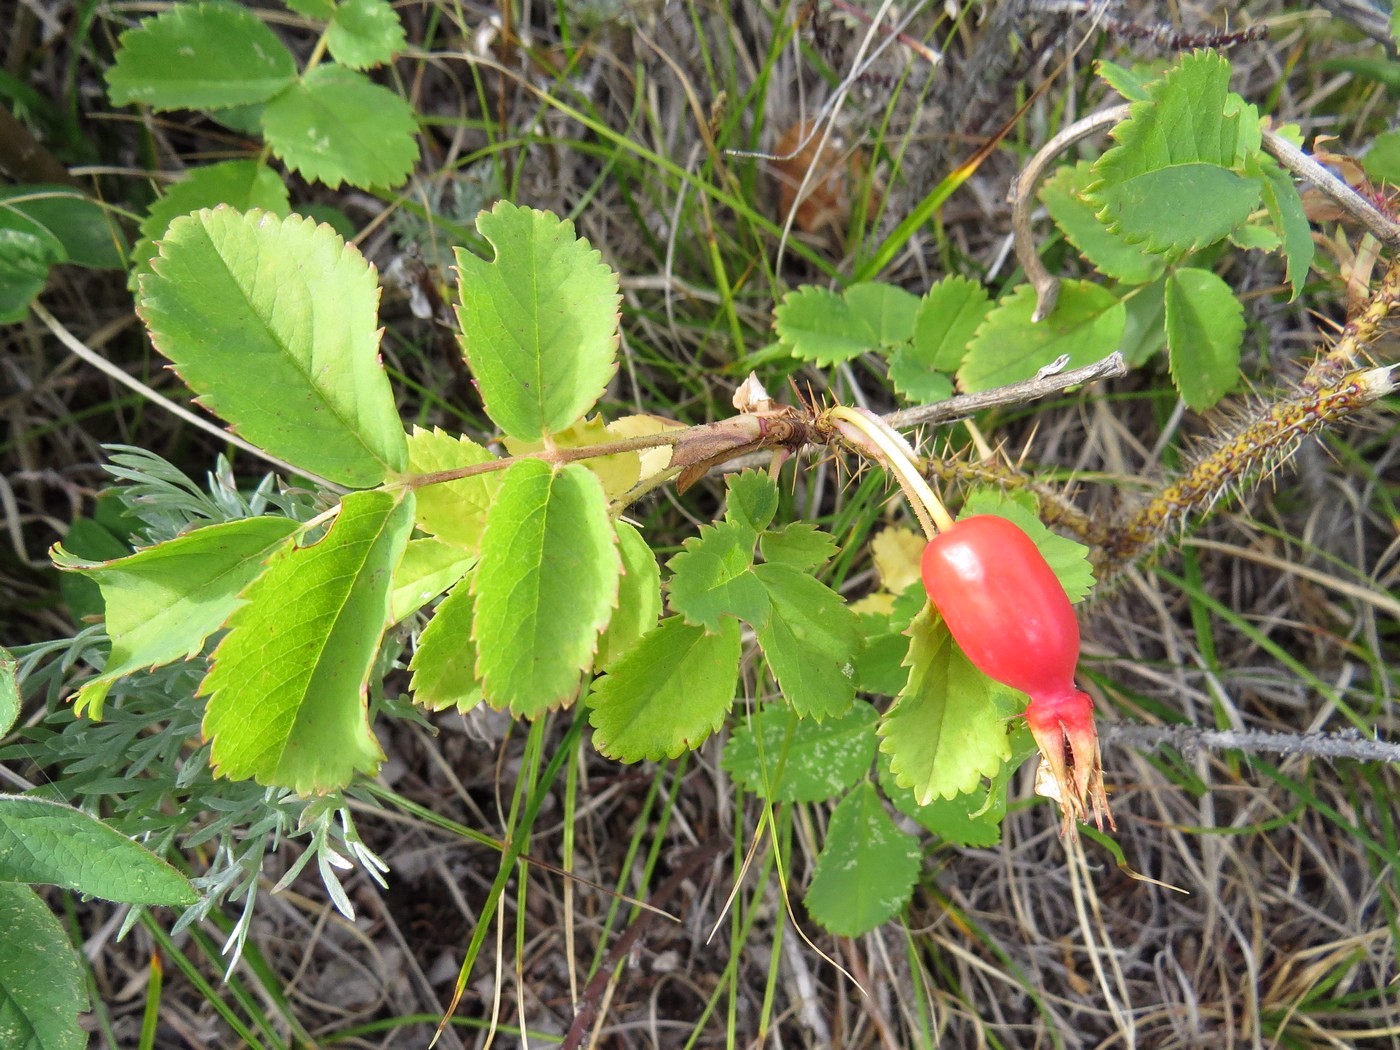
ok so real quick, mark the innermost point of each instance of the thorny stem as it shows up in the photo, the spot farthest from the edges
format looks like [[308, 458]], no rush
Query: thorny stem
[[868, 433]]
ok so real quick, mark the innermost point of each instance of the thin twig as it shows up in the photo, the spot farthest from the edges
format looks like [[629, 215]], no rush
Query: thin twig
[[1349, 743]]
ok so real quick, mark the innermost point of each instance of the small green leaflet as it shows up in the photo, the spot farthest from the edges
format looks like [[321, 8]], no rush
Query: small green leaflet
[[866, 870], [539, 323], [810, 641], [444, 667], [241, 184], [752, 500], [237, 295], [364, 33], [1286, 212], [41, 981], [1085, 326], [638, 596], [668, 693], [947, 729], [287, 690], [798, 545], [42, 841], [200, 56], [1069, 560], [1205, 328], [336, 125], [949, 314], [453, 511], [428, 568], [76, 228], [967, 820], [165, 601], [825, 328], [712, 578], [880, 666], [545, 587], [1172, 182], [1111, 254], [783, 758]]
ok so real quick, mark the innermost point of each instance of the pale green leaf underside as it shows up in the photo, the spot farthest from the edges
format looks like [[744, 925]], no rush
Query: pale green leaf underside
[[1205, 329], [41, 981], [866, 870], [712, 578], [200, 56], [273, 322], [668, 693], [335, 125], [810, 641], [783, 758], [287, 690], [165, 601], [444, 667], [944, 732], [364, 33], [453, 511], [638, 596], [428, 568], [545, 587], [1085, 325], [539, 323], [55, 845]]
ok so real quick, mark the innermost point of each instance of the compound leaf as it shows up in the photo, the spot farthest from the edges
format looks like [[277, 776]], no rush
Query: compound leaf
[[364, 33], [668, 693], [335, 125], [42, 841], [784, 758], [712, 578], [165, 601], [41, 981], [287, 689], [1085, 326], [453, 511], [273, 322], [539, 322], [545, 587], [867, 867], [946, 730], [810, 640], [200, 56], [820, 326], [1205, 328], [444, 666]]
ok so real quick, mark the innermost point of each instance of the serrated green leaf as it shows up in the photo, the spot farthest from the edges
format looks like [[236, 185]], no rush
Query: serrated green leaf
[[335, 125], [164, 602], [545, 587], [638, 596], [236, 297], [1290, 221], [967, 820], [41, 981], [821, 326], [444, 665], [287, 689], [1145, 322], [428, 567], [712, 578], [9, 691], [200, 56], [810, 640], [241, 184], [81, 231], [42, 841], [1171, 182], [91, 540], [752, 500], [784, 758], [867, 868], [949, 315], [1068, 559], [1205, 328], [539, 323], [668, 693], [1085, 326], [945, 731], [364, 33], [1109, 253], [880, 666], [798, 545], [453, 511], [1130, 83]]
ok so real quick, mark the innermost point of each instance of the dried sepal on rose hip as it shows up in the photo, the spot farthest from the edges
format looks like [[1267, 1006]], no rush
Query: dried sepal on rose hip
[[1009, 613]]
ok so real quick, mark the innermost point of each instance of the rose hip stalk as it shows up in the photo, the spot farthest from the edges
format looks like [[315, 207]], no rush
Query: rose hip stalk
[[1009, 613]]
